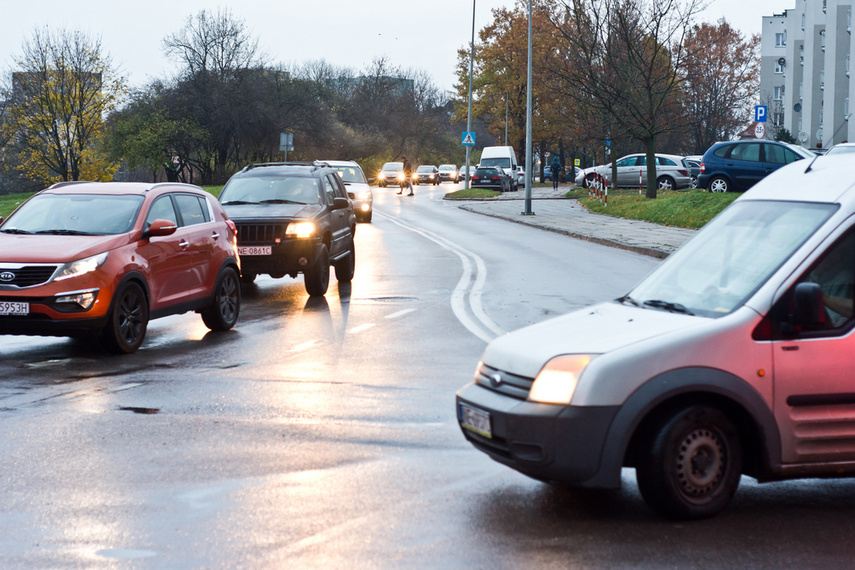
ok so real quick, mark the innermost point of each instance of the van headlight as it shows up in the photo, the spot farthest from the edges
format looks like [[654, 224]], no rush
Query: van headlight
[[81, 266], [557, 380]]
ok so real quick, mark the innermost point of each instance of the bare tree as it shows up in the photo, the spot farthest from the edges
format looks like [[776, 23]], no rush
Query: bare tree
[[624, 58]]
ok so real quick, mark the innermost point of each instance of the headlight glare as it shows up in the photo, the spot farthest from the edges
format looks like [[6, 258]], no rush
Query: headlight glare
[[81, 266], [557, 380], [300, 230]]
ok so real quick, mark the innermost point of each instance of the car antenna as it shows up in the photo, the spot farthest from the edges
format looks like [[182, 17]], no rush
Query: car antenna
[[845, 119]]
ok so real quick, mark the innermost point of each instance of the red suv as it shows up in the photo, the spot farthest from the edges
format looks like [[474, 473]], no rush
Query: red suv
[[107, 257]]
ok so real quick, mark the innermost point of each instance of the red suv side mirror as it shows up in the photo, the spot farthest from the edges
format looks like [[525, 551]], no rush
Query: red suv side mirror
[[160, 228]]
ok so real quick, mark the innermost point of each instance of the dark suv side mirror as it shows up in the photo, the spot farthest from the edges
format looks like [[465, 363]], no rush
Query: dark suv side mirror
[[340, 203], [808, 306]]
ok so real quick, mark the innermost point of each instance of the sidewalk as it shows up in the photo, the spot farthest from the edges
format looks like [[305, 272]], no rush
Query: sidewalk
[[554, 213]]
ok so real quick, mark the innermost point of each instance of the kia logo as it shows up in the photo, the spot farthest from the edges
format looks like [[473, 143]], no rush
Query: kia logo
[[7, 276]]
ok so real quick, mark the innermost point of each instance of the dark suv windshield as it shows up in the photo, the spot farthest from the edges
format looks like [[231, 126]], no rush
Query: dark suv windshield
[[271, 189], [75, 214]]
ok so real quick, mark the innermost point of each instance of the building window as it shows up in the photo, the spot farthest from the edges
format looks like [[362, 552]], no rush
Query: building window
[[800, 124], [822, 79], [822, 40], [821, 116], [801, 90], [778, 67], [779, 93], [824, 5], [803, 21], [778, 119], [781, 39], [802, 54], [847, 64], [846, 108]]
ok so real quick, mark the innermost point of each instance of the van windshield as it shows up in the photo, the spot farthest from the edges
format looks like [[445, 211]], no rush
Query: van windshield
[[731, 258], [500, 162]]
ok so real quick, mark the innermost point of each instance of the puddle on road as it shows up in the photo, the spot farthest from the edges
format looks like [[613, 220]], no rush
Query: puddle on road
[[147, 411]]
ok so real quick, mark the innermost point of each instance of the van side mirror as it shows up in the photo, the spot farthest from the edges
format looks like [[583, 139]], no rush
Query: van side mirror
[[808, 305]]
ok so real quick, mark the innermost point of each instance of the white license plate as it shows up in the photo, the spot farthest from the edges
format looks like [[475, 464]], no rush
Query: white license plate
[[475, 420], [14, 308], [256, 250]]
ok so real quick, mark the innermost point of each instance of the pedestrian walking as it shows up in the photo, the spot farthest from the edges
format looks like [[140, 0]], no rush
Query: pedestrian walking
[[408, 176], [555, 170]]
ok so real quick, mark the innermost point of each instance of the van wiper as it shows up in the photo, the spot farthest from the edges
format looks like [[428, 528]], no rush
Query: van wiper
[[668, 306], [628, 299]]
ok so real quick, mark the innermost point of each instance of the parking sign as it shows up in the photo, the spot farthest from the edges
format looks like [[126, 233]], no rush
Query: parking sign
[[760, 112]]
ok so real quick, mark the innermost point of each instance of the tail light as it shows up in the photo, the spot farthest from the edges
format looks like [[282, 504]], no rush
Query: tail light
[[497, 177], [683, 173], [702, 167], [232, 227]]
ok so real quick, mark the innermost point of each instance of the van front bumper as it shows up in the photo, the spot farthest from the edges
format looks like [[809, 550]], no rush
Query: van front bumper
[[543, 441]]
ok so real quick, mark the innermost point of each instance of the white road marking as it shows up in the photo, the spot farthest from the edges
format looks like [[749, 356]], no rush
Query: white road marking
[[400, 314], [360, 328], [485, 328]]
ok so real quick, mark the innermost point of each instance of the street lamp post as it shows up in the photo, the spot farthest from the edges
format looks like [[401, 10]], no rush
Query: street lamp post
[[469, 112], [528, 211]]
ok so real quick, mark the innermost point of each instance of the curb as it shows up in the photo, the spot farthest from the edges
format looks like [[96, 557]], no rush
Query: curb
[[601, 241]]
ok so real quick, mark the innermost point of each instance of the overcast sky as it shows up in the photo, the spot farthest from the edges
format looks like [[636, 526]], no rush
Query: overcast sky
[[423, 35]]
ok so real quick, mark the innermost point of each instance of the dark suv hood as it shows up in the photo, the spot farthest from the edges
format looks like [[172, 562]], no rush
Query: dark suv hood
[[239, 212]]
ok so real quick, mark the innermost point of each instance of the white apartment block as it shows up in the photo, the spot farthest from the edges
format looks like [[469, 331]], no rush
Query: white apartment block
[[805, 79]]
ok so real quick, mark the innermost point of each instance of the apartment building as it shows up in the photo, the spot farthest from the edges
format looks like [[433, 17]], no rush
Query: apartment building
[[805, 72]]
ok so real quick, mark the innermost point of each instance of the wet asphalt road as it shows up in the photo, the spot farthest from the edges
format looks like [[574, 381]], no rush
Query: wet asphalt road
[[321, 433]]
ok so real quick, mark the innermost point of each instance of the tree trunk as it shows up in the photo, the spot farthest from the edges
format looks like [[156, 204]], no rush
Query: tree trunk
[[652, 184]]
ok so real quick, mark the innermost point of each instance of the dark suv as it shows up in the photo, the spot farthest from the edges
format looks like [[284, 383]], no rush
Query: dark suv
[[292, 217], [739, 165]]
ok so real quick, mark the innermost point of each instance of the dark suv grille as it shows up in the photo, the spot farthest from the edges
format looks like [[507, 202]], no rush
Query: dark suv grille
[[260, 233], [504, 382], [27, 276]]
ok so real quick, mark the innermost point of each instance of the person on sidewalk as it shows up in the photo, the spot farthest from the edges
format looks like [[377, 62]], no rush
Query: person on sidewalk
[[554, 172], [408, 175]]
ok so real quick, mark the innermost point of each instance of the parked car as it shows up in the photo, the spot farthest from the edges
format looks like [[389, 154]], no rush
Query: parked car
[[462, 171], [672, 173], [842, 148], [734, 357], [491, 177], [83, 258], [694, 171], [739, 165], [292, 218], [449, 172], [357, 188], [426, 173], [505, 157], [391, 173]]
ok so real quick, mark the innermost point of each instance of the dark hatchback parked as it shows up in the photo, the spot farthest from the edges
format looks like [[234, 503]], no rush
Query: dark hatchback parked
[[292, 218], [491, 177], [739, 165]]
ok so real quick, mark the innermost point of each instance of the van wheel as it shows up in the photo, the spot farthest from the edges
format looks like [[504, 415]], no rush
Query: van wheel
[[317, 278], [223, 312], [125, 329], [719, 184], [665, 183], [692, 463], [346, 267]]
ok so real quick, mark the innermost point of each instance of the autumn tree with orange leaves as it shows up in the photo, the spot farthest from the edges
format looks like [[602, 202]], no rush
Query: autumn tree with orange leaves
[[500, 76], [721, 80]]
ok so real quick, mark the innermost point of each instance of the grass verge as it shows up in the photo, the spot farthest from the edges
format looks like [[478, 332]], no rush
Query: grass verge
[[689, 209], [471, 194]]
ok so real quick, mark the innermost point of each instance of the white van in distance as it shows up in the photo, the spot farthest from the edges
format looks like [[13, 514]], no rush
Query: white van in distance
[[505, 158], [736, 356]]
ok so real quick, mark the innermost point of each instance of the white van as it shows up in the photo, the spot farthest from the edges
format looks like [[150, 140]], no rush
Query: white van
[[735, 356], [505, 158]]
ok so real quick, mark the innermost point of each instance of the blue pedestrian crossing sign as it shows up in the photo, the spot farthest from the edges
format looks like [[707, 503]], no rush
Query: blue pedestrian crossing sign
[[468, 138]]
